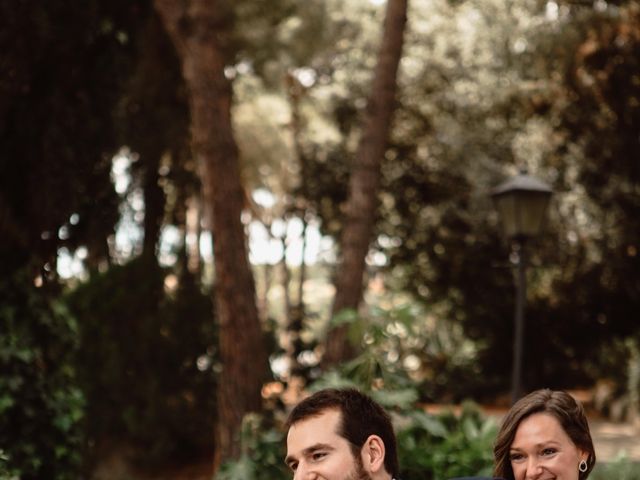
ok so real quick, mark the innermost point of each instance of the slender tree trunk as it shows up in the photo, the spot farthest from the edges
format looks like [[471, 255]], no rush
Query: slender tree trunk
[[362, 202], [153, 201], [297, 312], [303, 265], [197, 27], [285, 277]]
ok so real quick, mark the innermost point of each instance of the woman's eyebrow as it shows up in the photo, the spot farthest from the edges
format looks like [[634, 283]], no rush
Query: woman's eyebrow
[[547, 443]]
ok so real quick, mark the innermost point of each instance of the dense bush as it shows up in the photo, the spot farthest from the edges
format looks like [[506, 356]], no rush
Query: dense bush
[[146, 363], [41, 407], [447, 445]]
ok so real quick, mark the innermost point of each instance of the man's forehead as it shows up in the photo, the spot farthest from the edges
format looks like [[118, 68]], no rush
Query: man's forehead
[[328, 417], [311, 429]]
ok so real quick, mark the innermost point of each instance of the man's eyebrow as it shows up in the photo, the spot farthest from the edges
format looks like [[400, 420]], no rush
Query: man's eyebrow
[[309, 450]]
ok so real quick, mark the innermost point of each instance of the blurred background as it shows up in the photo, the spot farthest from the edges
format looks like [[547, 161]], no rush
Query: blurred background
[[179, 200]]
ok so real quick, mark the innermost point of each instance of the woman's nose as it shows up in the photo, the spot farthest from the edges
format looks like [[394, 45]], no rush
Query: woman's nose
[[534, 469]]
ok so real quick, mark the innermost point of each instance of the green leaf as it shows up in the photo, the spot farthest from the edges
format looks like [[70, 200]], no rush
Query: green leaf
[[332, 379], [242, 469], [395, 398], [470, 428], [344, 317], [6, 402], [431, 424]]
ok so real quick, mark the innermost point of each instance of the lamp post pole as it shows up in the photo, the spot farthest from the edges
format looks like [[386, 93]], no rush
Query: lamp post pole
[[521, 295], [522, 202]]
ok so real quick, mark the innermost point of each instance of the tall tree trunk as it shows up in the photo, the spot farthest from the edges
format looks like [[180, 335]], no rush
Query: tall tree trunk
[[197, 28], [362, 202]]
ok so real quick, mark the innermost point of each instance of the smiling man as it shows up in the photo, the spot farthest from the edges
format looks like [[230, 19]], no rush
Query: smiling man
[[341, 435]]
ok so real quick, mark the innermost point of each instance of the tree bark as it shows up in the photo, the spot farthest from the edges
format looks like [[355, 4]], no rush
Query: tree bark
[[362, 201], [197, 28]]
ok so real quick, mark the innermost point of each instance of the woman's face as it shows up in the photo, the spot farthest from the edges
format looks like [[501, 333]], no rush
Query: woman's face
[[541, 450]]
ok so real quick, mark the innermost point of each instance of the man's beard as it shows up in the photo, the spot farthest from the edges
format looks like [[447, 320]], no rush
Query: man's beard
[[359, 473]]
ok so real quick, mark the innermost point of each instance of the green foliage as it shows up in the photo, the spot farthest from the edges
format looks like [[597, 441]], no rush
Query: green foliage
[[146, 362], [445, 446], [403, 345], [487, 87], [621, 469], [6, 472], [41, 407], [263, 452]]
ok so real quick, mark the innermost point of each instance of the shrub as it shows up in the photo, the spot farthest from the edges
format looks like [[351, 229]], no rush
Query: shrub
[[438, 447], [146, 363], [41, 407]]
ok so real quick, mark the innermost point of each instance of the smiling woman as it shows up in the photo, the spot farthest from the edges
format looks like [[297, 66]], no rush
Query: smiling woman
[[545, 435]]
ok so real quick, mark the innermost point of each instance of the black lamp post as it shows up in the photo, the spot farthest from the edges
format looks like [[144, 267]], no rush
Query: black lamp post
[[521, 203]]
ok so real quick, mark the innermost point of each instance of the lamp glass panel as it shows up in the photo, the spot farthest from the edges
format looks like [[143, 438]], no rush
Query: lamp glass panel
[[506, 206], [522, 212], [531, 212]]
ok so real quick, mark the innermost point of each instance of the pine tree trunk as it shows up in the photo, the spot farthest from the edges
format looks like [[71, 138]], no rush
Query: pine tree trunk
[[197, 28], [362, 202]]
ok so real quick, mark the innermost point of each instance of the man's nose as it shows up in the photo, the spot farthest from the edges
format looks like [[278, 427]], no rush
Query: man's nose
[[304, 473]]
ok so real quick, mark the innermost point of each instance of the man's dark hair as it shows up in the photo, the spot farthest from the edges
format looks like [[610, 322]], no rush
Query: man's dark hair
[[360, 417]]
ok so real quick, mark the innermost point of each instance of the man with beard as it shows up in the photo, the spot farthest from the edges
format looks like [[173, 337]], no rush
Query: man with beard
[[341, 434]]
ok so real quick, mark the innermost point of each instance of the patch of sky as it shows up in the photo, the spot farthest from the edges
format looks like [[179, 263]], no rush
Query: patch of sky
[[263, 247]]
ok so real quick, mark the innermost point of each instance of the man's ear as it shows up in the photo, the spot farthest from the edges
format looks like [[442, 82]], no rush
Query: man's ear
[[373, 453]]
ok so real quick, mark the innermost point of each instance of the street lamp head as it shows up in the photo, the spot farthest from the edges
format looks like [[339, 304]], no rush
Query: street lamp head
[[522, 203]]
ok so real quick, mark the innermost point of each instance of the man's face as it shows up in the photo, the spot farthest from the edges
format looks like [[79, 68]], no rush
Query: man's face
[[316, 451]]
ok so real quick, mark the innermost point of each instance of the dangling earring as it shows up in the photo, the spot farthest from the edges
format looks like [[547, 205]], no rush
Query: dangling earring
[[583, 466]]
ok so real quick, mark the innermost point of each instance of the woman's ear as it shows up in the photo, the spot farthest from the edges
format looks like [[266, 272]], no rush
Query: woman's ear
[[584, 455], [373, 453]]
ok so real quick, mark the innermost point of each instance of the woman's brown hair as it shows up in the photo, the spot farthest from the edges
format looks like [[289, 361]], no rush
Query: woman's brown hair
[[559, 404]]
